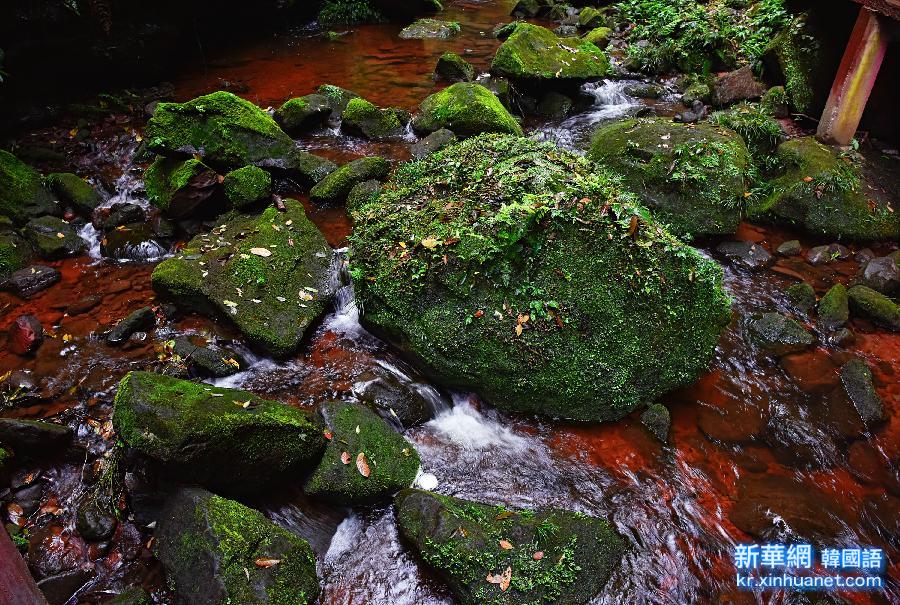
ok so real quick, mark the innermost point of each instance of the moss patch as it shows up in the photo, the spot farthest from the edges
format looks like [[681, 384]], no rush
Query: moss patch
[[431, 29], [72, 189], [536, 53], [365, 119], [875, 307], [337, 185], [15, 253], [302, 114], [247, 186], [22, 193], [178, 187], [466, 109]]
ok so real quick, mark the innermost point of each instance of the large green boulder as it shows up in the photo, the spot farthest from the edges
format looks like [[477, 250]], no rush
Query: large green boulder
[[366, 459], [498, 556], [73, 190], [179, 187], [523, 272], [824, 193], [337, 185], [15, 253], [52, 238], [270, 274], [536, 53], [690, 176], [247, 186], [362, 118], [22, 192], [466, 109], [302, 114], [225, 439], [220, 552]]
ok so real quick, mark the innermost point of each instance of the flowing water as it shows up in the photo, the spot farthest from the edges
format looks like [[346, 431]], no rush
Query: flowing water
[[759, 449]]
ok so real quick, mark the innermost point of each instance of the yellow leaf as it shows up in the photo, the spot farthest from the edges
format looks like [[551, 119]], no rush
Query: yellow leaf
[[506, 545], [430, 243], [264, 252]]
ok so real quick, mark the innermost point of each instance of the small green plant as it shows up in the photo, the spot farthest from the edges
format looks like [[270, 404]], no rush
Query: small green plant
[[347, 12]]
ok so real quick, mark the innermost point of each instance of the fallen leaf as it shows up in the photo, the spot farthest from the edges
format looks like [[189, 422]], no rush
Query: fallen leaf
[[506, 545], [430, 243], [362, 465], [807, 179], [265, 562], [632, 227], [504, 515], [264, 252], [345, 458], [518, 329], [538, 555], [328, 435], [60, 235]]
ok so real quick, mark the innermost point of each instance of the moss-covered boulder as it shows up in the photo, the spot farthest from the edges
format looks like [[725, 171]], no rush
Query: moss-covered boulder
[[690, 176], [466, 109], [247, 186], [856, 378], [499, 556], [72, 190], [363, 193], [225, 439], [22, 192], [533, 52], [453, 68], [524, 272], [303, 114], [52, 238], [823, 192], [338, 98], [424, 29], [874, 306], [272, 275], [337, 185], [834, 309], [15, 253], [599, 37], [362, 118], [366, 459], [220, 552], [179, 187]]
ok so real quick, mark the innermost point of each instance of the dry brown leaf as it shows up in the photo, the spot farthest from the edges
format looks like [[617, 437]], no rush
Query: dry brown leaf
[[506, 545], [266, 562], [264, 252], [538, 555], [345, 458], [328, 435], [807, 179], [362, 465]]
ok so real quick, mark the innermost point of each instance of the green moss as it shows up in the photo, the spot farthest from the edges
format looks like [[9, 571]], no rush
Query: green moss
[[73, 190], [337, 185], [795, 53], [755, 124], [463, 243], [52, 238], [778, 334], [875, 307], [802, 295], [165, 178], [363, 118], [247, 186], [590, 18], [697, 90], [657, 420], [453, 68], [466, 109], [536, 53], [271, 299], [691, 177], [301, 114], [338, 98], [213, 436], [431, 28], [599, 37], [22, 194], [347, 12], [833, 308], [363, 193], [393, 461], [15, 253]]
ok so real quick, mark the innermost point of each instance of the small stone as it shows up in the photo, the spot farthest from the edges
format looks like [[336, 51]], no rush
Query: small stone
[[834, 310], [863, 256], [738, 85], [821, 255], [430, 29], [841, 337], [140, 320], [644, 90], [882, 274], [657, 420], [857, 380], [436, 141], [753, 256], [779, 335], [802, 296], [25, 335], [453, 68], [790, 248], [95, 523]]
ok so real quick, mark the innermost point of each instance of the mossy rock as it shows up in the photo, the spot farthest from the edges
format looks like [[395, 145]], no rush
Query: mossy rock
[[856, 378], [73, 190], [696, 91], [52, 238], [658, 421], [337, 185], [22, 192], [536, 53], [392, 461], [802, 295], [338, 98], [179, 187], [220, 552], [690, 176], [272, 275], [875, 307], [468, 542], [834, 310], [599, 37], [431, 29], [302, 114], [247, 186], [15, 253], [481, 263], [363, 193], [453, 68], [224, 130], [435, 141], [824, 193], [760, 131], [591, 18], [795, 58], [778, 334], [362, 118], [224, 439], [466, 109]]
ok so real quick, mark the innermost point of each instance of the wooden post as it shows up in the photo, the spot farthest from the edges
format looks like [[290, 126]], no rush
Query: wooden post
[[855, 79]]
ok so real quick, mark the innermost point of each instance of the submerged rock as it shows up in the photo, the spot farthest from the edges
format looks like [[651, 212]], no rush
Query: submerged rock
[[272, 275], [875, 306], [856, 377], [52, 238], [366, 459], [22, 192], [453, 68], [467, 297], [302, 114], [834, 310], [430, 29], [72, 190], [362, 118], [535, 53], [247, 186], [789, 248], [27, 282], [142, 320], [207, 361], [179, 187], [491, 554], [691, 177], [219, 552], [225, 439], [466, 109], [658, 421], [337, 186], [779, 335], [400, 403], [749, 254]]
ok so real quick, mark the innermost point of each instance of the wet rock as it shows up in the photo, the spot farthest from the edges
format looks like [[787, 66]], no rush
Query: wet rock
[[822, 255], [225, 439], [206, 361], [73, 191], [457, 335], [33, 436], [336, 186], [132, 242], [22, 192], [842, 337], [132, 596], [857, 380], [338, 98], [750, 255], [25, 335], [27, 282], [453, 68], [435, 141], [365, 461], [247, 186], [15, 253], [644, 90], [566, 31], [430, 29], [138, 321], [869, 464], [812, 371], [282, 267], [790, 248], [882, 274], [696, 91], [505, 30], [651, 153], [591, 18], [52, 238], [802, 295], [526, 8], [599, 37], [397, 402], [537, 54], [466, 109], [180, 187], [302, 114], [765, 503], [834, 309], [217, 551], [60, 588], [364, 119], [779, 335], [95, 522], [577, 554], [864, 255], [738, 85], [884, 512], [875, 307], [554, 106], [657, 420], [499, 87], [122, 214], [362, 194]]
